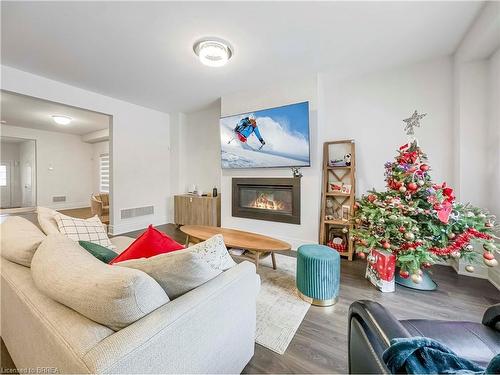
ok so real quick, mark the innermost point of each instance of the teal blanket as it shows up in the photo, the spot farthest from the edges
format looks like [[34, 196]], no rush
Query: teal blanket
[[421, 355]]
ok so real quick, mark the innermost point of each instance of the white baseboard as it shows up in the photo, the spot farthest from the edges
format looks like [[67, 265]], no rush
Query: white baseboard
[[69, 205], [125, 227]]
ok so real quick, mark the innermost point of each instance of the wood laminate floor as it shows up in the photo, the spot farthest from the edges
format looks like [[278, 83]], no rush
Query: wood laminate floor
[[320, 344]]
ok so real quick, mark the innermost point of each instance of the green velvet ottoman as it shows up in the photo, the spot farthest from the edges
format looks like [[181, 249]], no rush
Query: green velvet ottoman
[[318, 274]]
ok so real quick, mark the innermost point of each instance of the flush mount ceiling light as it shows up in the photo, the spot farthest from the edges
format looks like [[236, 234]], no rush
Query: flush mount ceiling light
[[213, 52], [62, 120]]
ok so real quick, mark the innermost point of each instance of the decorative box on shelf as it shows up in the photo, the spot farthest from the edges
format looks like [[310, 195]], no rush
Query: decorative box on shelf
[[380, 269]]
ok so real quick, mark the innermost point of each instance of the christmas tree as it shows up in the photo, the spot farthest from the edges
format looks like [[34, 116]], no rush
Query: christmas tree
[[418, 220]]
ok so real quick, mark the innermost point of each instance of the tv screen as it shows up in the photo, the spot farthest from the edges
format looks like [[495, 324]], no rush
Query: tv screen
[[270, 138]]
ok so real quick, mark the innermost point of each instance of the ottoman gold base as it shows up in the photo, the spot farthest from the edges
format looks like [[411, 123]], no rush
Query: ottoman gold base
[[319, 302]]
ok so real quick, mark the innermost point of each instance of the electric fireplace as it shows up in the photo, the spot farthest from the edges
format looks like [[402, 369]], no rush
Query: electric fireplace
[[271, 199]]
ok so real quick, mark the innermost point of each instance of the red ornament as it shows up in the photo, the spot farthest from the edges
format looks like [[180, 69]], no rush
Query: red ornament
[[412, 186], [426, 265], [372, 198], [488, 256], [361, 255], [404, 274], [386, 245], [424, 167], [402, 229]]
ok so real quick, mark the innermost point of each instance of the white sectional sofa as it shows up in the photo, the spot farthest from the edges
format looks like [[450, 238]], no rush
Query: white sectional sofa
[[210, 329]]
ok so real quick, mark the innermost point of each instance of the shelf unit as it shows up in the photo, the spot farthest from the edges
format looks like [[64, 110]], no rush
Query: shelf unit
[[341, 175]]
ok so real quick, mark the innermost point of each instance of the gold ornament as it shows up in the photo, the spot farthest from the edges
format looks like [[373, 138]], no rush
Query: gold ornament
[[416, 278], [490, 262], [345, 230]]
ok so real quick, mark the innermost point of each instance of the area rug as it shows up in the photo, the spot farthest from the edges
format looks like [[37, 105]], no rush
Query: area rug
[[279, 308]]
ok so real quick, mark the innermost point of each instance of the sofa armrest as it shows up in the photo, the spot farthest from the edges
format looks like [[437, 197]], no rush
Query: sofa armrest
[[491, 317], [211, 329], [371, 327]]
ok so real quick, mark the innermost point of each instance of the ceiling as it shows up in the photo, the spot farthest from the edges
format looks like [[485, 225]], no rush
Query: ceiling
[[28, 112], [142, 52]]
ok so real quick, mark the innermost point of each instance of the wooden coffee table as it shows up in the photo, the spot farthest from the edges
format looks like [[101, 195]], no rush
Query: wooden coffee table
[[256, 244]]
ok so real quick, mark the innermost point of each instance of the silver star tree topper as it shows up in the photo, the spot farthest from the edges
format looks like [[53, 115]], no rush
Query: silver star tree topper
[[413, 122]]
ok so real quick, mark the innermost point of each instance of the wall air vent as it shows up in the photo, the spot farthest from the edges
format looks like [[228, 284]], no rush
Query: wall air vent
[[60, 198], [129, 213]]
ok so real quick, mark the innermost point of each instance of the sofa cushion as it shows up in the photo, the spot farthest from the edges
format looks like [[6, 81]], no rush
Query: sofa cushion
[[121, 243], [472, 341], [215, 253], [152, 242], [112, 296], [47, 220], [100, 252], [177, 272], [91, 229], [43, 319], [20, 239]]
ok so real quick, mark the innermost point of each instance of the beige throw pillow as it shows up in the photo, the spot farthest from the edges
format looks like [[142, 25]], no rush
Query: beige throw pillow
[[110, 295], [215, 253], [177, 272], [47, 220], [91, 230], [20, 239]]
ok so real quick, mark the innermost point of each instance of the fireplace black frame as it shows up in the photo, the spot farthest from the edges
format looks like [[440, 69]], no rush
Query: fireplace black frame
[[268, 215]]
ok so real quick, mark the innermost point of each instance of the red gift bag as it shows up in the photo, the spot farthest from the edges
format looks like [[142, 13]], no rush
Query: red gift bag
[[380, 269]]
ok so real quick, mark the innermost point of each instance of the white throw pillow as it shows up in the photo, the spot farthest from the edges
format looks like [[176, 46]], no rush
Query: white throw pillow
[[215, 253], [177, 272], [112, 296], [47, 220], [20, 239], [91, 230]]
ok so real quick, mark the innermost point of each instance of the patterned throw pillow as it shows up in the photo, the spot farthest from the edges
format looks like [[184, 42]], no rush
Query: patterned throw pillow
[[91, 230], [214, 252]]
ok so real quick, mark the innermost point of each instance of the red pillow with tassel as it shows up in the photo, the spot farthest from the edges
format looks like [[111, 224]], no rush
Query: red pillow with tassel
[[152, 242]]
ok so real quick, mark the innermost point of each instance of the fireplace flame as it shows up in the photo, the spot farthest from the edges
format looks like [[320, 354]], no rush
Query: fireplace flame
[[267, 202]]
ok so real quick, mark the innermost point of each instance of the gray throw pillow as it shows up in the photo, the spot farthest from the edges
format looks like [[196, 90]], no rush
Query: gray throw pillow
[[177, 272]]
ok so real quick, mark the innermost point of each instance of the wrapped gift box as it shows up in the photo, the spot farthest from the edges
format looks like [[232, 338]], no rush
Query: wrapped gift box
[[380, 270]]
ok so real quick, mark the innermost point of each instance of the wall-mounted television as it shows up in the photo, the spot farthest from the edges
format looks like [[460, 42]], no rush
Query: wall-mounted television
[[269, 138]]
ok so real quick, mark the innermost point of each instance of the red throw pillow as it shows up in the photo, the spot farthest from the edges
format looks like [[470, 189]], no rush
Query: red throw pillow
[[152, 242]]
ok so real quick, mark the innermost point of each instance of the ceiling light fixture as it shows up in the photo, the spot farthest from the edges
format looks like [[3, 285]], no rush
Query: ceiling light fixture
[[62, 120], [213, 52]]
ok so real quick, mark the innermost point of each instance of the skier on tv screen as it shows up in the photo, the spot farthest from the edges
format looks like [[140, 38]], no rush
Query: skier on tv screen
[[245, 128]]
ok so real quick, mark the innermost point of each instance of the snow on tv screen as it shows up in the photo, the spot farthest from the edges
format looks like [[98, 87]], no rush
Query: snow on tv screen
[[270, 138]]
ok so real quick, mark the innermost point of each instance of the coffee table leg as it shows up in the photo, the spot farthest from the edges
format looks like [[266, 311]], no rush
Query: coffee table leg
[[257, 256], [274, 260], [187, 240]]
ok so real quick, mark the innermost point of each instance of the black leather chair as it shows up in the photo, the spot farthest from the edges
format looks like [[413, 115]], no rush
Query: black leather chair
[[371, 327]]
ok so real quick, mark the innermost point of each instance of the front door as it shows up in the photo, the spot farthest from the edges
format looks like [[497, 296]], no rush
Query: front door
[[5, 184]]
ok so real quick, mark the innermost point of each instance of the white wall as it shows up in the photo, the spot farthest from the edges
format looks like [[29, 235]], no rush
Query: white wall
[[267, 97], [477, 120], [64, 166], [200, 162], [493, 149], [140, 146], [370, 110]]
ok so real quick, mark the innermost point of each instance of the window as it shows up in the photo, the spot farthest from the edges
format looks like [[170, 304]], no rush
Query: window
[[104, 173], [3, 175]]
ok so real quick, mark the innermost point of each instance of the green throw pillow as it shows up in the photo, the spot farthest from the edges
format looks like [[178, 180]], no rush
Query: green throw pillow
[[100, 252]]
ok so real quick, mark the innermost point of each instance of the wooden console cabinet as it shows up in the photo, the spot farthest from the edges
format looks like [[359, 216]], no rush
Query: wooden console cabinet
[[194, 210]]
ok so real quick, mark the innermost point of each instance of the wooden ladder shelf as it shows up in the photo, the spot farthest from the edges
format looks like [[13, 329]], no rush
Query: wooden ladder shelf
[[337, 199]]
